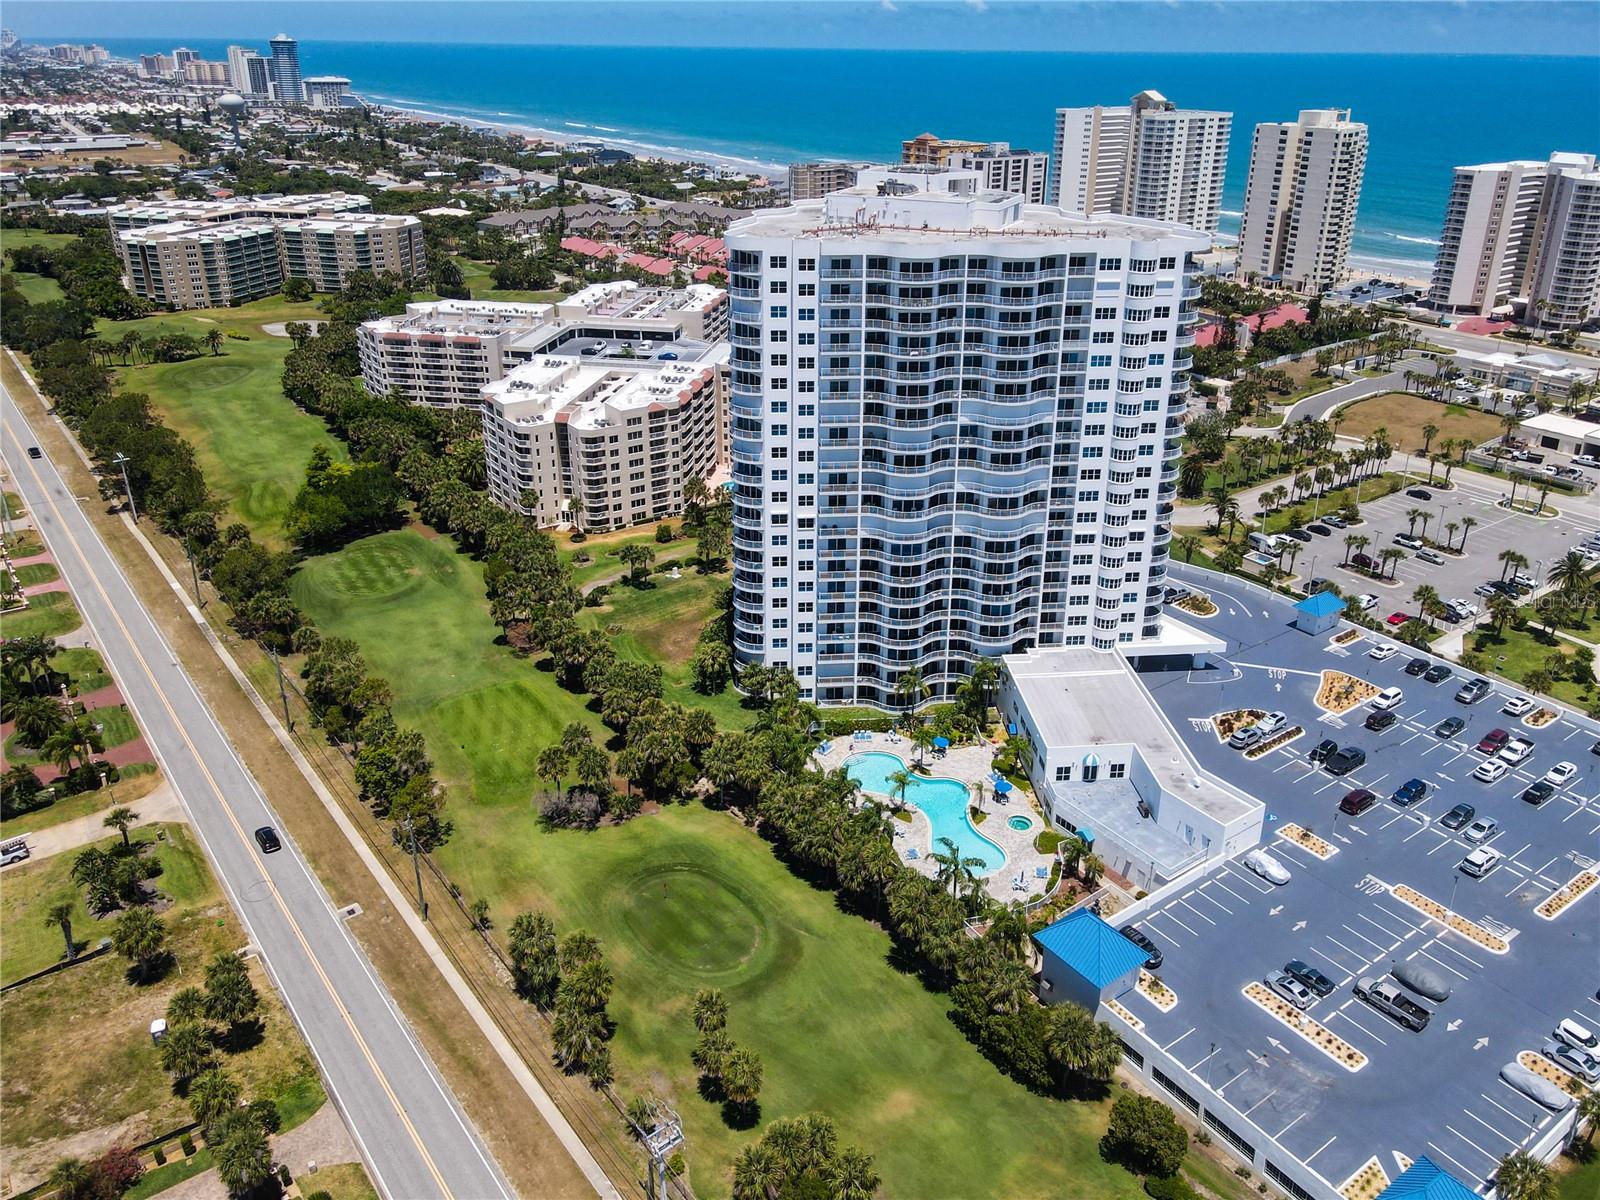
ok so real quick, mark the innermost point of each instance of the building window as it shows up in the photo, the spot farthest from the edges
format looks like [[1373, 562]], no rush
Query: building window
[[1064, 774], [1117, 770]]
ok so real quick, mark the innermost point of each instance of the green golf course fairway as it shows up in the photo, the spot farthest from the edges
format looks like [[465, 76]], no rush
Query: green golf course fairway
[[687, 898]]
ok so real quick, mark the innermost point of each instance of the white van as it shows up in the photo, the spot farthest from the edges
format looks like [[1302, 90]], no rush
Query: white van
[[1579, 1037], [1267, 543]]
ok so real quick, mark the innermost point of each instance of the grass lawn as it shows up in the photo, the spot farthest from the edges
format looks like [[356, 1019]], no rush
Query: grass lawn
[[601, 550], [342, 1181], [14, 505], [175, 1171], [478, 276], [10, 239], [687, 898], [52, 1088], [1404, 415], [25, 544], [49, 614], [83, 665], [1385, 484], [117, 727], [136, 783], [33, 573], [1519, 652], [1578, 1179], [37, 289], [252, 443]]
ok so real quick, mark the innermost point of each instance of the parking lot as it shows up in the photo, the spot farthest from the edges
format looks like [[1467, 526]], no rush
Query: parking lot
[[1437, 1092], [1542, 541]]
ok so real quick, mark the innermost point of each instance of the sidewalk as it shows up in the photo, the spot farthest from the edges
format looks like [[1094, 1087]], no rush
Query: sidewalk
[[160, 805]]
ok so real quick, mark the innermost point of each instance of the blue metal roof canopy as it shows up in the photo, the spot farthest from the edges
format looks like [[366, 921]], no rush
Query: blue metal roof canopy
[[1092, 948], [1426, 1180], [1320, 604]]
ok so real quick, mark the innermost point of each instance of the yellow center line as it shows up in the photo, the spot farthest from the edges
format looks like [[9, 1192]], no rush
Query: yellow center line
[[233, 820]]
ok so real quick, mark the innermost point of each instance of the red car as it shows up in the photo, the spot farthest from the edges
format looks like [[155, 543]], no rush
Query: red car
[[1357, 802], [1398, 618], [1493, 741]]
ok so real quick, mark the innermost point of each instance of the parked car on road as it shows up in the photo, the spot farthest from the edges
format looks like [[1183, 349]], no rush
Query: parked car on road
[[1449, 727], [1480, 860], [1516, 751], [1419, 493], [1292, 990], [1491, 742], [1491, 771], [1416, 666], [1388, 999], [1561, 774], [1379, 721], [1357, 802], [1383, 651], [1538, 792], [1366, 602], [1480, 829], [1472, 691], [1243, 739], [1271, 723], [1569, 1058], [1321, 751], [1579, 1036], [1437, 673], [1412, 791], [1517, 706], [1388, 698], [1397, 618]]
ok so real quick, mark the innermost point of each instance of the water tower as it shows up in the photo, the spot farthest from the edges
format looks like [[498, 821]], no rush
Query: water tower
[[234, 105]]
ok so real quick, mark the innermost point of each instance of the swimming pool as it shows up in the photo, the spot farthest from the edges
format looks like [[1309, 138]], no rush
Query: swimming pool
[[942, 801]]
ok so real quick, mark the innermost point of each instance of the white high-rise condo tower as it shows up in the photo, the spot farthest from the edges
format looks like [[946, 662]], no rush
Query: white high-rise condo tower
[[954, 420], [1300, 199], [1150, 159], [1488, 237], [284, 70], [1564, 274]]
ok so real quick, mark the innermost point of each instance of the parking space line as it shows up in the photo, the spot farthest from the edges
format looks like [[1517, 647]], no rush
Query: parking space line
[[1242, 899], [1474, 1145], [1339, 1012], [1183, 900], [1202, 894], [1381, 949], [1464, 957], [1422, 951], [1508, 1112], [1224, 1087], [1362, 958], [1179, 1038], [1465, 1170], [1320, 1149], [1165, 913], [1290, 1126], [1498, 1133], [1259, 1102], [1410, 928], [1260, 889]]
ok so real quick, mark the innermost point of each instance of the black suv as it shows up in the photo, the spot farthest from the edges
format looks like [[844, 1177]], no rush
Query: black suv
[[1322, 749], [1308, 975], [1379, 721], [1539, 792], [1142, 940], [1344, 760], [1437, 673], [1419, 493], [267, 839], [1416, 666]]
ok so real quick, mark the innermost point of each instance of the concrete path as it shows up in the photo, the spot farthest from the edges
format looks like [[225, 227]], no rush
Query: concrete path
[[322, 1140], [162, 804]]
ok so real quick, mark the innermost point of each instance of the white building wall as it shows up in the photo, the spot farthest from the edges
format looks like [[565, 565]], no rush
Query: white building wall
[[1301, 195]]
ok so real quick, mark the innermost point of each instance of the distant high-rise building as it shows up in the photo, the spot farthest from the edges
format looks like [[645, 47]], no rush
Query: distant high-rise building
[[814, 180], [182, 55], [326, 91], [1151, 159], [156, 66], [955, 419], [1564, 274], [1300, 198], [285, 70], [1024, 173], [203, 71], [248, 73]]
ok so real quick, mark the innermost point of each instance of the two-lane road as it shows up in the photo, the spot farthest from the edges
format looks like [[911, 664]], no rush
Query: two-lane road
[[412, 1133]]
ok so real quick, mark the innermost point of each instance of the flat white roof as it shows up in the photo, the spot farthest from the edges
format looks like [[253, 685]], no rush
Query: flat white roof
[[539, 389], [1563, 426], [1080, 697]]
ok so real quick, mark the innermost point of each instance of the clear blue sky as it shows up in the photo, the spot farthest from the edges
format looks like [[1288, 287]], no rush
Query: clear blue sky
[[1264, 26]]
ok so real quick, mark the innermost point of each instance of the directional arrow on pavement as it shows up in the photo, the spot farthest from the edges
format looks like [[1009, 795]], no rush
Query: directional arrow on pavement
[[1275, 909], [1277, 1045], [1454, 1025], [1480, 1043], [1299, 925], [1277, 687]]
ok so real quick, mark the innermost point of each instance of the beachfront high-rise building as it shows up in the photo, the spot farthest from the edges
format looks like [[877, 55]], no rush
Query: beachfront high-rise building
[[954, 420], [285, 70], [1488, 236], [248, 73], [814, 180], [326, 91], [182, 55], [1300, 199], [1564, 276], [1002, 168], [1150, 159]]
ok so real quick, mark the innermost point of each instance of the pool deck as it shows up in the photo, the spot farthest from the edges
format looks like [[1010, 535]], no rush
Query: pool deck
[[966, 764]]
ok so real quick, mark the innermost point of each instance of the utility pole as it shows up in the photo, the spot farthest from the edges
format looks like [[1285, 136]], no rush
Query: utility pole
[[416, 865], [283, 696], [122, 460], [663, 1137], [194, 572]]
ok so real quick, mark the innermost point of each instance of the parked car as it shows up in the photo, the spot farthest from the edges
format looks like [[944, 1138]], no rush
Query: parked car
[[1437, 673], [1388, 999], [1576, 1035], [1397, 618], [1366, 602], [1525, 581], [1419, 493], [1430, 556], [1243, 739], [13, 851], [1142, 940], [1344, 760], [1569, 1058], [1517, 706], [1379, 721], [1480, 860], [1538, 792], [1173, 594], [1491, 771], [1310, 976], [1561, 774], [1269, 868], [1318, 528], [1466, 607], [1458, 816], [1321, 751], [1585, 460], [1412, 791], [1337, 522], [1409, 541], [35, 452], [1364, 561], [1516, 751], [1484, 589], [1480, 829], [1491, 742], [1292, 990], [1472, 691], [1271, 723], [1299, 535], [1383, 651], [1416, 666], [1388, 698], [1449, 727], [1357, 802], [267, 839]]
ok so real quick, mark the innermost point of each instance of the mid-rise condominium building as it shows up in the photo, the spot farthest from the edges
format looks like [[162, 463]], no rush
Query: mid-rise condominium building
[[320, 238], [248, 73], [1150, 159], [184, 265], [1000, 167], [814, 180], [619, 436], [1300, 199], [1564, 279], [326, 91], [955, 420], [444, 353], [284, 70]]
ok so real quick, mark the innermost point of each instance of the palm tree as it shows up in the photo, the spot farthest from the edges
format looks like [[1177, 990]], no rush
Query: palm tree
[[898, 782], [1071, 852], [1222, 503], [758, 1173], [140, 937], [1450, 528], [1091, 866], [37, 718], [1569, 573], [213, 340], [1523, 1177], [1413, 515], [1076, 1042], [575, 507], [954, 870], [1501, 610], [1387, 558], [741, 1077], [244, 1159], [1509, 424], [909, 689], [1512, 560], [1427, 598], [850, 1176], [710, 1010], [922, 737], [70, 1177], [60, 915], [1188, 543], [1468, 524], [1588, 1114], [77, 739], [121, 819], [1429, 432], [212, 1096]]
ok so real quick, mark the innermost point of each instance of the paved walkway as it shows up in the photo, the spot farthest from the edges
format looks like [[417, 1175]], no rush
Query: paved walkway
[[322, 1140], [159, 805]]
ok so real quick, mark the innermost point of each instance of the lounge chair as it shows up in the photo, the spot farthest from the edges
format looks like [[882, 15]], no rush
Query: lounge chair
[[1041, 872], [912, 853]]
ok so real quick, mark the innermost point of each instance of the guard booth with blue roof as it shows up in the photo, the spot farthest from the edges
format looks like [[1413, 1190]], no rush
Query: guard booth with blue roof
[[1318, 613], [1086, 961], [1426, 1180]]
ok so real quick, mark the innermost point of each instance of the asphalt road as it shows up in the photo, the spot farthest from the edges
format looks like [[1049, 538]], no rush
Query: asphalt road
[[413, 1135]]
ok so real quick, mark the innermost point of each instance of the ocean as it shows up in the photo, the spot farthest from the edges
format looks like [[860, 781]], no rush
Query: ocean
[[1427, 113]]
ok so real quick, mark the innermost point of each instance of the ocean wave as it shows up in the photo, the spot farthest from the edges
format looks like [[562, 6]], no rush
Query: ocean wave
[[1421, 241], [1228, 212]]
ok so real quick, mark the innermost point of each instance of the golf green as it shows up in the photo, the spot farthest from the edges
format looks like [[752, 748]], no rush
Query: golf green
[[695, 922]]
